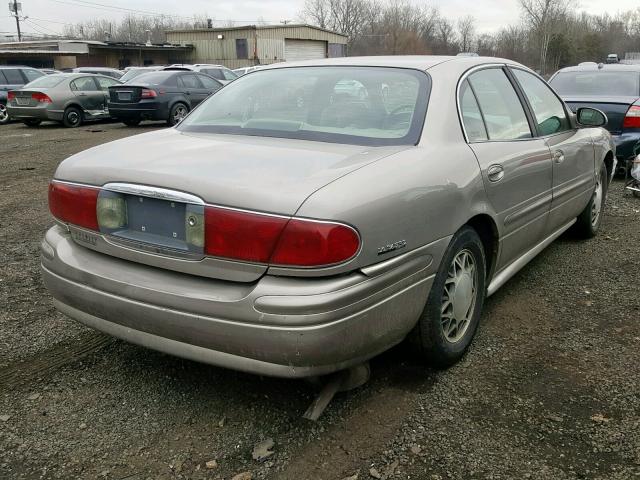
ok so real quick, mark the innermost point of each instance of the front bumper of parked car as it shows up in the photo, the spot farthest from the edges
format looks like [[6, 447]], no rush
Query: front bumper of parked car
[[278, 326]]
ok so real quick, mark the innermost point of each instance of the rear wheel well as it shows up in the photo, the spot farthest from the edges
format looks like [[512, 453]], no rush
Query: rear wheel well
[[608, 161], [488, 232]]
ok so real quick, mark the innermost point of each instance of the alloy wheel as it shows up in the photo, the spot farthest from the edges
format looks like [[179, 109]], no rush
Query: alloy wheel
[[73, 117], [596, 204], [459, 296], [179, 114], [4, 115]]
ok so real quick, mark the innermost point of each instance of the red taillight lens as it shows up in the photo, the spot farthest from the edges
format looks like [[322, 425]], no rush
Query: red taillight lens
[[147, 93], [632, 118], [308, 243], [74, 204], [40, 97], [241, 235], [296, 242], [11, 96]]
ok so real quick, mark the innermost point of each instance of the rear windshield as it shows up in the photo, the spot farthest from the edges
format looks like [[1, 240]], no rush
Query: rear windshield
[[48, 81], [357, 105], [133, 74], [155, 78], [600, 83]]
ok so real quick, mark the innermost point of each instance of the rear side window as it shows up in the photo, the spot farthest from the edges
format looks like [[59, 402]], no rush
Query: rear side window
[[13, 76], [213, 72], [500, 106], [548, 110], [471, 115], [597, 83], [105, 83], [189, 81], [84, 84]]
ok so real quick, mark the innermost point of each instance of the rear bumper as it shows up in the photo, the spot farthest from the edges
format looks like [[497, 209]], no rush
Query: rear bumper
[[287, 327], [144, 110], [39, 113], [625, 144]]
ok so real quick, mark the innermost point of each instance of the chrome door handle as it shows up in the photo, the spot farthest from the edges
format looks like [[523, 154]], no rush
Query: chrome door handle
[[495, 173], [558, 156]]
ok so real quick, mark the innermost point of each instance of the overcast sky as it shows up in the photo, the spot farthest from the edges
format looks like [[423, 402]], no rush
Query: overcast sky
[[50, 15]]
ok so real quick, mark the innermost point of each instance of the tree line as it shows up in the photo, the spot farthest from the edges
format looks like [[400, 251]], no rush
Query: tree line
[[551, 33]]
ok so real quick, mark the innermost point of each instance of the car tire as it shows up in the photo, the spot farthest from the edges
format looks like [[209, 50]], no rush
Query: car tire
[[588, 222], [32, 122], [4, 114], [177, 113], [451, 315], [131, 122], [72, 117]]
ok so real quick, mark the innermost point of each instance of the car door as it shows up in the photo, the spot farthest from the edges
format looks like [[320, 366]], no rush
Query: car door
[[516, 166], [192, 88], [104, 83], [89, 95], [571, 149]]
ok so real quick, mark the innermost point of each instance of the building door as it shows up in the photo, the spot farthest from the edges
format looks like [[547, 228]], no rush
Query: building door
[[295, 50]]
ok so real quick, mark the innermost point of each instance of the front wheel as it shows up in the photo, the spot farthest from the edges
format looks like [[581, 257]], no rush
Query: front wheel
[[452, 312], [72, 117], [588, 222], [4, 114]]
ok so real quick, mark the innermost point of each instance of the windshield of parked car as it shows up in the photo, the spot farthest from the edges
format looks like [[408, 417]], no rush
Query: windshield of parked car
[[48, 81], [600, 83], [357, 105]]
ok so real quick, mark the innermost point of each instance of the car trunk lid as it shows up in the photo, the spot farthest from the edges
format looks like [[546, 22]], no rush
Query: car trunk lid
[[614, 107], [125, 93], [250, 173]]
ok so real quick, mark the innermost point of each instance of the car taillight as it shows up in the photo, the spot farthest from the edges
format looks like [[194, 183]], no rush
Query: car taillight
[[297, 242], [11, 96], [74, 204], [310, 243], [40, 97], [241, 235], [148, 93], [632, 118]]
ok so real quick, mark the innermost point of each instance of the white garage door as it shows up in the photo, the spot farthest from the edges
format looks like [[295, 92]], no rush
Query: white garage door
[[304, 50]]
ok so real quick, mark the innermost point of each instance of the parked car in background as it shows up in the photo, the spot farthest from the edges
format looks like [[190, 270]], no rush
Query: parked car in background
[[69, 98], [279, 232], [133, 72], [12, 78], [49, 71], [109, 72], [245, 70], [219, 72], [614, 89], [612, 58], [163, 95]]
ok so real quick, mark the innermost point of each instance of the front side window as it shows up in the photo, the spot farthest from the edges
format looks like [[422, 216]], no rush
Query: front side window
[[105, 83], [84, 84], [471, 115], [548, 110], [357, 105], [501, 108]]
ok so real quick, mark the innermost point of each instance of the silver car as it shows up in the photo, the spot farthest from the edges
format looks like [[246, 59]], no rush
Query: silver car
[[287, 228], [69, 98]]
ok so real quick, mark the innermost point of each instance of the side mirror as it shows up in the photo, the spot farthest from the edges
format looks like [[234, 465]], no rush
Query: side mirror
[[591, 117]]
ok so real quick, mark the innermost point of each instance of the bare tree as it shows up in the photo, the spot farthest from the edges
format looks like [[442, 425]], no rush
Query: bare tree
[[467, 32]]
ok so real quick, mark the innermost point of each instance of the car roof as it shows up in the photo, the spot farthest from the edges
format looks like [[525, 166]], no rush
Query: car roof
[[419, 62], [594, 67]]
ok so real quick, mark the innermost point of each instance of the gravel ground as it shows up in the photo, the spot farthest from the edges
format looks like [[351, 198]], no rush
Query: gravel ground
[[548, 391]]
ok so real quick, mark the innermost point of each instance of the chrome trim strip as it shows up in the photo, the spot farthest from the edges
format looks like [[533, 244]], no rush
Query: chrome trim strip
[[154, 192], [523, 212], [501, 278]]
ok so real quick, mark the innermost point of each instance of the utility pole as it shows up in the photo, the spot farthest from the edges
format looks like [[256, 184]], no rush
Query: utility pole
[[14, 9]]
